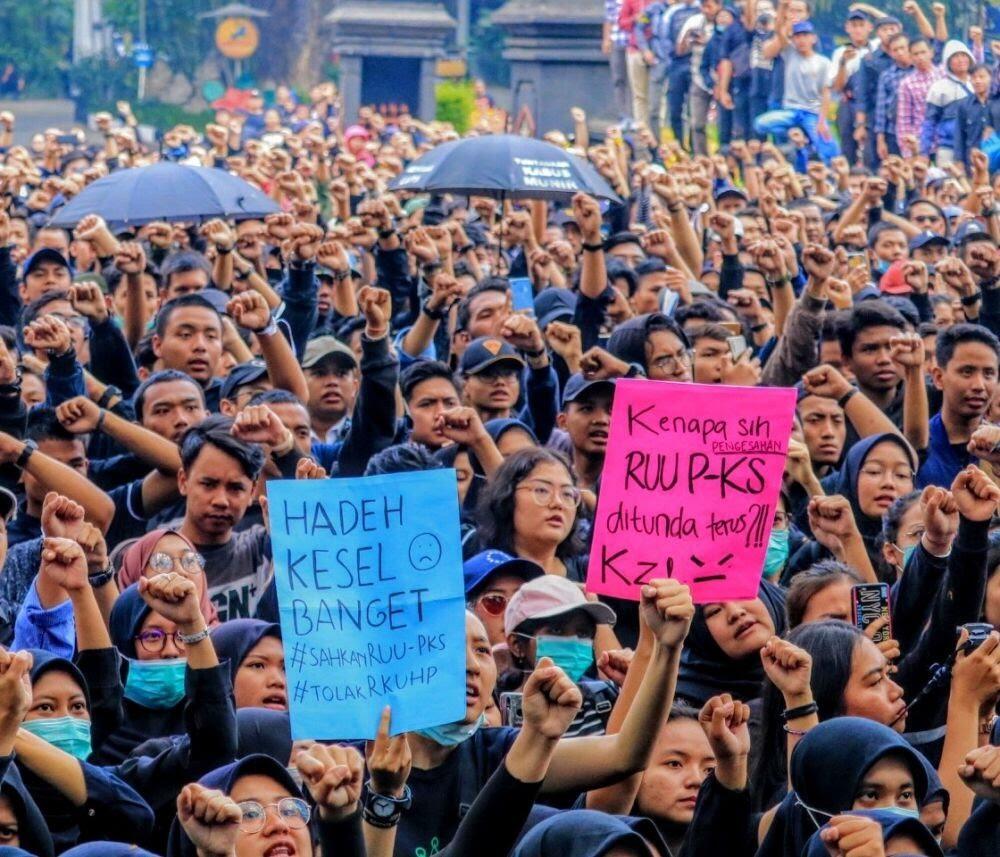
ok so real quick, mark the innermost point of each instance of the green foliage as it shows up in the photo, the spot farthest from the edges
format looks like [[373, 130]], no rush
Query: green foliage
[[173, 28], [164, 116], [455, 101], [38, 41]]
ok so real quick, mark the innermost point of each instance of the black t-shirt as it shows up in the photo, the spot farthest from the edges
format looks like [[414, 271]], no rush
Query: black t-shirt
[[442, 795]]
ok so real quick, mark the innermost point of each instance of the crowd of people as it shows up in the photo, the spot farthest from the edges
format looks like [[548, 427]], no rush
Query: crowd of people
[[155, 377]]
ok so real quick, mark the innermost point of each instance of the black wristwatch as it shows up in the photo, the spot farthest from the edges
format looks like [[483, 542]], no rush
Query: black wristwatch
[[109, 393], [22, 460], [384, 811], [969, 300], [101, 578], [438, 314]]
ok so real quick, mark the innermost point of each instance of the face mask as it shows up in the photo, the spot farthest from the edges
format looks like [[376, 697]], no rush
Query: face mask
[[901, 812], [453, 734], [777, 553], [881, 265], [69, 734], [907, 553], [573, 655], [156, 684], [931, 269]]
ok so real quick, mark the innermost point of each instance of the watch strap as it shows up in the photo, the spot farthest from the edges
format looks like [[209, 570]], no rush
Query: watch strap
[[101, 578], [109, 393], [22, 460], [197, 637]]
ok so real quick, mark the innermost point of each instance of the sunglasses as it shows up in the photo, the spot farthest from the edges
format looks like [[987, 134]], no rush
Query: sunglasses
[[493, 603]]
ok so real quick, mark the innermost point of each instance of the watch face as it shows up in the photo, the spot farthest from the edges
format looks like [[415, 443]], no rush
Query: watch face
[[383, 808]]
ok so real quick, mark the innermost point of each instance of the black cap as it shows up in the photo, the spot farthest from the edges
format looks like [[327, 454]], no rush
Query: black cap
[[244, 373], [577, 385], [554, 305], [46, 254], [488, 351]]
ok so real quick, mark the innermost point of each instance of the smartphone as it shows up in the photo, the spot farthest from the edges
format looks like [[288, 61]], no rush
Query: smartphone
[[523, 295], [511, 711], [737, 345], [855, 260], [68, 140], [668, 301], [870, 602], [734, 327]]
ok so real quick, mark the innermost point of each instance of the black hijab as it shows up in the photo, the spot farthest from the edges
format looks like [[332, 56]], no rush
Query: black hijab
[[127, 616], [32, 828], [263, 730], [892, 824], [234, 639], [586, 833], [707, 671]]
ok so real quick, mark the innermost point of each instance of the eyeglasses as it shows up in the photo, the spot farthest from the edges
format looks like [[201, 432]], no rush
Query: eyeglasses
[[545, 493], [72, 320], [154, 640], [293, 811], [189, 561], [492, 602], [902, 474], [672, 362]]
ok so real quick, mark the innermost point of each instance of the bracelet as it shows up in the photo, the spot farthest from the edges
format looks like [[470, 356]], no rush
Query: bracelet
[[534, 355], [100, 578], [800, 711], [383, 234], [191, 639], [382, 823], [109, 393], [850, 394], [100, 420], [436, 314], [224, 251], [969, 300], [466, 249], [673, 209], [242, 275], [759, 328], [22, 460], [798, 733], [594, 248], [269, 329]]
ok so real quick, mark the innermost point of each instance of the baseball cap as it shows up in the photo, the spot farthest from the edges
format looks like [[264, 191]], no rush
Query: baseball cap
[[800, 27], [102, 284], [488, 351], [926, 239], [8, 504], [857, 15], [730, 190], [216, 297], [886, 20], [971, 230], [551, 595], [577, 385], [893, 282], [244, 373], [554, 305], [46, 254], [487, 563], [324, 346]]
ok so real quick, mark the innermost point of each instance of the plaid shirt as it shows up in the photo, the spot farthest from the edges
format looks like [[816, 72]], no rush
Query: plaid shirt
[[611, 10], [912, 105], [885, 102]]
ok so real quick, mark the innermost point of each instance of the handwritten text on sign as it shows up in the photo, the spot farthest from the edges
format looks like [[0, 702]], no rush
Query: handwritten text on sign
[[689, 487], [369, 578]]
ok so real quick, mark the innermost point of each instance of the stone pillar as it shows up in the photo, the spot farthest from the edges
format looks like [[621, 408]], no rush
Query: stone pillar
[[414, 30], [554, 50]]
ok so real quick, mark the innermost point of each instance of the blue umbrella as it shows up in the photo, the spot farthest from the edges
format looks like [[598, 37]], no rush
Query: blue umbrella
[[165, 191], [503, 166]]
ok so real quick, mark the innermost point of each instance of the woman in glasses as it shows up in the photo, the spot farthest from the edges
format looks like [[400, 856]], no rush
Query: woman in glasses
[[163, 551], [529, 510]]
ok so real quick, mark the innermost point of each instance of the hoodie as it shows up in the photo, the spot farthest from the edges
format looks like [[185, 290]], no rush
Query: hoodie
[[943, 99]]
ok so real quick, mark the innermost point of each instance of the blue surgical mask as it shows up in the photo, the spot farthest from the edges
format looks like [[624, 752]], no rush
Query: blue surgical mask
[[156, 684], [573, 655], [453, 734], [902, 812], [881, 265], [907, 553], [777, 553], [69, 734]]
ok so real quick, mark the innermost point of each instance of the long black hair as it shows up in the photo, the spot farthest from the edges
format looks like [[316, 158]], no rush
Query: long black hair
[[495, 514], [831, 644]]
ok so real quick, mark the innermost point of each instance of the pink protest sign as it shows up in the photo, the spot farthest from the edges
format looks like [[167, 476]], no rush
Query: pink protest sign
[[689, 487]]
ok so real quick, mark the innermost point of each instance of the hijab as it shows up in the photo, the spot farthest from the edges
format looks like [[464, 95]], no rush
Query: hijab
[[706, 670], [847, 482], [106, 849], [826, 772], [46, 662], [136, 556], [586, 833], [223, 779], [127, 616], [33, 830], [234, 639], [893, 824], [266, 731]]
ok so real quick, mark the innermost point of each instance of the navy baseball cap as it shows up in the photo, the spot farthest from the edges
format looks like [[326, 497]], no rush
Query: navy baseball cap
[[577, 385], [554, 305], [730, 190], [888, 19], [926, 239], [244, 373], [487, 563], [971, 230], [46, 254], [800, 27], [488, 351], [857, 15]]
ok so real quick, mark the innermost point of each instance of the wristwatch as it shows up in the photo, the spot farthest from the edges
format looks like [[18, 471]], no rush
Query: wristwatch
[[22, 460], [384, 811], [196, 637], [101, 578], [109, 393]]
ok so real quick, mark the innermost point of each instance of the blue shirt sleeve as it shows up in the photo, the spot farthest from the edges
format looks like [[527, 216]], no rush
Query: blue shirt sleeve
[[51, 629]]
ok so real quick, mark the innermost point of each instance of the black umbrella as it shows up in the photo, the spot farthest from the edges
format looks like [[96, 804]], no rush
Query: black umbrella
[[503, 166]]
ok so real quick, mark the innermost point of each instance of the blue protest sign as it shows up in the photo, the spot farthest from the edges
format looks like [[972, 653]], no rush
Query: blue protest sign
[[372, 602]]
